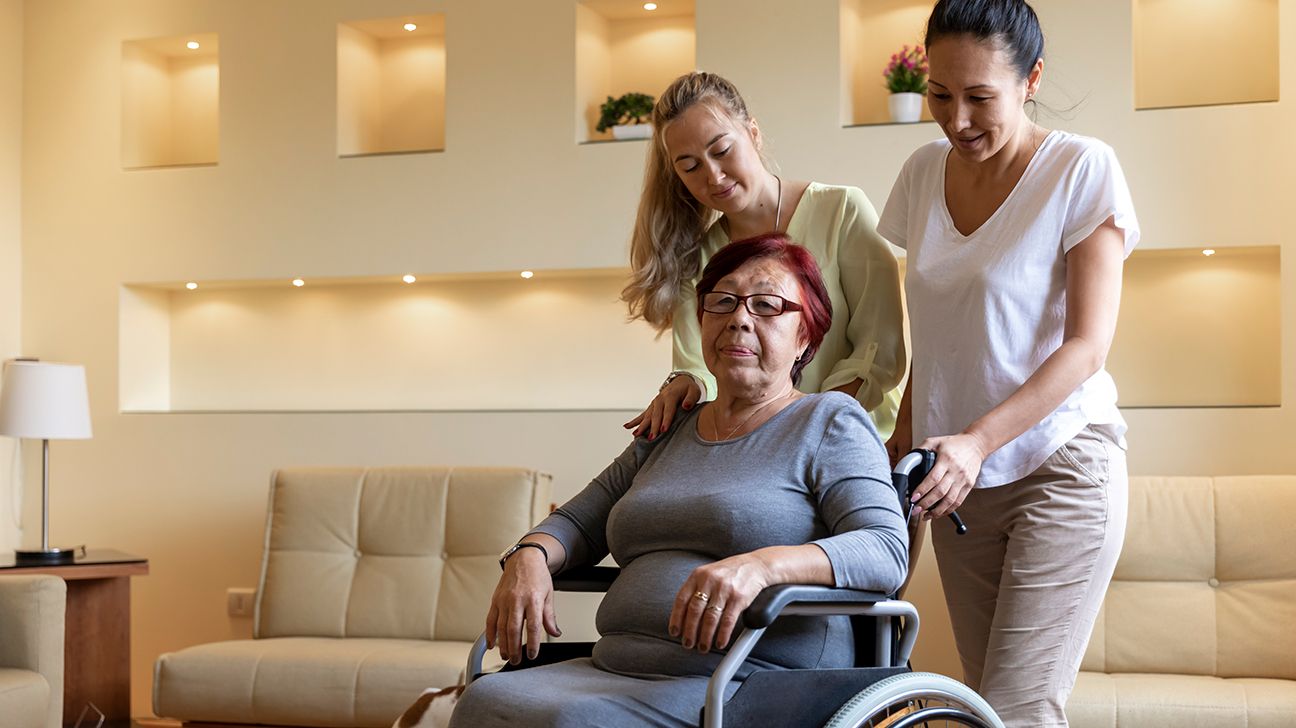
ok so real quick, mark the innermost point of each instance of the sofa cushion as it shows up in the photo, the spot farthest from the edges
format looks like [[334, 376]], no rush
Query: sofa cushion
[[393, 552], [24, 698], [303, 680], [1166, 701], [1205, 584]]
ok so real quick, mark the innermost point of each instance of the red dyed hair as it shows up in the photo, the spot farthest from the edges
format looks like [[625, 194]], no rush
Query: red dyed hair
[[816, 306]]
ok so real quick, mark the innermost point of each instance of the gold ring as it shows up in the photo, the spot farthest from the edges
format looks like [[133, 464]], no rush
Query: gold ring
[[702, 595]]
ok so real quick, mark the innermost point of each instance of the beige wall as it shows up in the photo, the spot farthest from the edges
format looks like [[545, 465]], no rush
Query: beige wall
[[1193, 52], [195, 110], [359, 91], [11, 54], [511, 191]]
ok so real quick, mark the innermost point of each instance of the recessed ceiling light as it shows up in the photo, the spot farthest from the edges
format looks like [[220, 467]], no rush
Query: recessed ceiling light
[[191, 285], [1208, 252], [298, 282], [527, 274], [408, 278], [410, 26], [650, 6], [192, 45]]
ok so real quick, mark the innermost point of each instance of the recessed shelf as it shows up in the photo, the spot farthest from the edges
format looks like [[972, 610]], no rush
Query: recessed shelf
[[1200, 331], [872, 30], [171, 102], [391, 85], [466, 342], [622, 48], [1204, 52]]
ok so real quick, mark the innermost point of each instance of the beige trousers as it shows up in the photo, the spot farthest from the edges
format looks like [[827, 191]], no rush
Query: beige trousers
[[1024, 584]]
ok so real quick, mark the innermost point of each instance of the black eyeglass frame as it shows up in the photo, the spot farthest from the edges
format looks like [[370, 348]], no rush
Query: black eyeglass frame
[[787, 305]]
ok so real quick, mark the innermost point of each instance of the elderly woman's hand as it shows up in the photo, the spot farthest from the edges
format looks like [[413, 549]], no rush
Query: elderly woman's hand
[[656, 419], [958, 462], [523, 596], [714, 596]]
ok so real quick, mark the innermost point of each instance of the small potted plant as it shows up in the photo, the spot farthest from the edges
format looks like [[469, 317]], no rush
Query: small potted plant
[[906, 79], [626, 116]]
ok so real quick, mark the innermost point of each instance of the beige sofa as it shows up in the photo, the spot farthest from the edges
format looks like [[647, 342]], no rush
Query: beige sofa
[[374, 584], [31, 651], [1199, 624]]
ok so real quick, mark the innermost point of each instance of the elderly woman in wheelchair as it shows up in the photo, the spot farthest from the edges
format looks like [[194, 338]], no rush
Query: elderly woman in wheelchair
[[762, 487]]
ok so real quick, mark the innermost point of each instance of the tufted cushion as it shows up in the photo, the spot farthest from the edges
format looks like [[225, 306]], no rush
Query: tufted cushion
[[400, 553], [1206, 584]]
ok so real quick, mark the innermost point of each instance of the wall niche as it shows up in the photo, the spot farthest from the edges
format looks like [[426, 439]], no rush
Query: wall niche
[[391, 80], [171, 101], [623, 47], [871, 31]]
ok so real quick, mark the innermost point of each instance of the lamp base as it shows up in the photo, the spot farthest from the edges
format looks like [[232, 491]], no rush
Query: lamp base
[[47, 556]]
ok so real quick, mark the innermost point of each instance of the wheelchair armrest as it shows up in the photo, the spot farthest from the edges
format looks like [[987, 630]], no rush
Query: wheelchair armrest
[[772, 600], [586, 579]]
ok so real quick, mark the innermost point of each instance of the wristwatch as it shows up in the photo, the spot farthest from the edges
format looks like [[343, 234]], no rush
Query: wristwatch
[[522, 545]]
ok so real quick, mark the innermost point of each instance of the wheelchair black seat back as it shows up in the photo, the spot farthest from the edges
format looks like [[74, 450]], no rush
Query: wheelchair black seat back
[[880, 690]]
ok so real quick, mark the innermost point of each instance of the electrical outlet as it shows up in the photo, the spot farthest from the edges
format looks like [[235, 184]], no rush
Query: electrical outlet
[[240, 601]]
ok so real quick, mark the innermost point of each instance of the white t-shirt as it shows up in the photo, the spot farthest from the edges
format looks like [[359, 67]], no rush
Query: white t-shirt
[[987, 309]]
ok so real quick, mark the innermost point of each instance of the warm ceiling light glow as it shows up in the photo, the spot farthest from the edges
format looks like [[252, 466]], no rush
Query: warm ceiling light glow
[[527, 274], [1208, 252], [191, 285], [410, 26], [192, 45], [408, 278], [650, 6], [298, 282]]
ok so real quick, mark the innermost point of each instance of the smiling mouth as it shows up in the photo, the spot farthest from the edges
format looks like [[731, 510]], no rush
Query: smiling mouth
[[725, 192], [969, 142], [737, 351]]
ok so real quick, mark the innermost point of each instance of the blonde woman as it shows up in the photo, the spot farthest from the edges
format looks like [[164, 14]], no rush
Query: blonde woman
[[707, 183]]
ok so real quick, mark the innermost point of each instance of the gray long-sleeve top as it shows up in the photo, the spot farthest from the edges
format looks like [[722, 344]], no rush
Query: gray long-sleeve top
[[816, 472]]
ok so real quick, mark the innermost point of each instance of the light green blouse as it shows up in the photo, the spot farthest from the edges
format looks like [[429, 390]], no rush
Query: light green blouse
[[866, 340]]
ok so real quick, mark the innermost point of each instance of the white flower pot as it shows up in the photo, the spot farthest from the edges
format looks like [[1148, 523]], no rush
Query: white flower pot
[[632, 131], [905, 107]]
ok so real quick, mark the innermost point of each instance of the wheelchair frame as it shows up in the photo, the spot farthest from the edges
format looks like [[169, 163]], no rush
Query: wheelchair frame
[[894, 639]]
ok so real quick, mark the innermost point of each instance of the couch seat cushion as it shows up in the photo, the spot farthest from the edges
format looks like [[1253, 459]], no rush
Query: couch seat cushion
[[316, 681], [1155, 700], [24, 698]]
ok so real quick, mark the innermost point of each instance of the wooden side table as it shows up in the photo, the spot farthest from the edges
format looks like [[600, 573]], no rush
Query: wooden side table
[[96, 652]]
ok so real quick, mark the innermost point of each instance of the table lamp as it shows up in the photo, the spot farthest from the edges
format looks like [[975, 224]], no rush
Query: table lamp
[[44, 401]]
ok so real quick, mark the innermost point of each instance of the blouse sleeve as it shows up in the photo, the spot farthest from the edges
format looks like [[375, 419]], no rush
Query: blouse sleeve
[[1098, 192], [851, 478], [580, 524], [870, 282], [894, 224], [686, 354]]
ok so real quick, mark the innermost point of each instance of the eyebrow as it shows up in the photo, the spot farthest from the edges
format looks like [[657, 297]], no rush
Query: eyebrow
[[717, 138], [969, 88]]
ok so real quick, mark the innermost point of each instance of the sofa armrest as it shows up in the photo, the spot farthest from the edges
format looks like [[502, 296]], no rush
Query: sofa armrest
[[32, 609]]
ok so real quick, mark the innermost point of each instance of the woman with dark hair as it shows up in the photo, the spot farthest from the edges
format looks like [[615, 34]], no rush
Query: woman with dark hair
[[707, 182], [1016, 237], [762, 486]]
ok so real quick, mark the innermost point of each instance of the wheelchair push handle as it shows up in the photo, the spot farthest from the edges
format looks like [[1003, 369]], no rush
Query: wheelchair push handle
[[910, 471]]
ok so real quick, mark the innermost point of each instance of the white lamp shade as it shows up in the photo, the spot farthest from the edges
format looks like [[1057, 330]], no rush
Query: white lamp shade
[[44, 401]]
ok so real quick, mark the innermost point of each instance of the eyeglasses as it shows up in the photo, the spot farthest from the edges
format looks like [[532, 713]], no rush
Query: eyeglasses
[[758, 304]]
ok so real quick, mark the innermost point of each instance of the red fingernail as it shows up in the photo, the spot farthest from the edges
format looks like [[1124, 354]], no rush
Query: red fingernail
[[652, 436], [688, 406]]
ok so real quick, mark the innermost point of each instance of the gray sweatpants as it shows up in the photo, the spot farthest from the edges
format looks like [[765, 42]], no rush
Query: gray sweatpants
[[1024, 585]]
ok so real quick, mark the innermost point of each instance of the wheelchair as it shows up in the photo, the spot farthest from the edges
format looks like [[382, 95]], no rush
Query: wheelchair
[[880, 691]]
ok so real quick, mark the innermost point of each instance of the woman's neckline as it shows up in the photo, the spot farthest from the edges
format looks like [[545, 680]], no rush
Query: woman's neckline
[[697, 422], [944, 200], [723, 222]]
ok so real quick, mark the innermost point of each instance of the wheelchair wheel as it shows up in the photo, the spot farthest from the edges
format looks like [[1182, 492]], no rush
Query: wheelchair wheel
[[915, 699]]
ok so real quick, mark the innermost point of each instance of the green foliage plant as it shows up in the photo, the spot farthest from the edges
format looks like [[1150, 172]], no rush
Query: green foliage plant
[[631, 108]]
